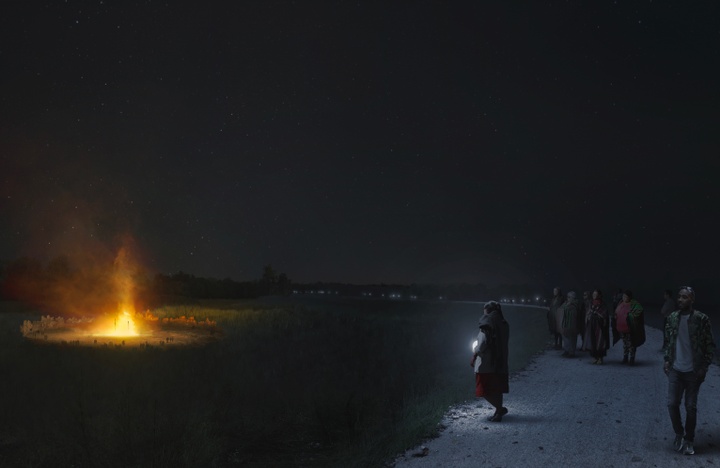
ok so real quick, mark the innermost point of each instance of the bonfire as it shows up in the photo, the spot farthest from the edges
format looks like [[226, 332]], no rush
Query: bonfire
[[120, 324], [123, 329]]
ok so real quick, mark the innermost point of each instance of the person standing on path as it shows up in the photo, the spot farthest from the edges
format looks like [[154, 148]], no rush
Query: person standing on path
[[490, 359], [689, 348], [569, 325], [597, 337], [583, 308], [631, 325], [552, 317]]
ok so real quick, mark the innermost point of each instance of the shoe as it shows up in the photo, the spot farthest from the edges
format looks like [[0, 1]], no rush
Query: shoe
[[600, 361], [497, 417], [565, 354], [631, 362], [679, 443], [595, 361], [689, 449]]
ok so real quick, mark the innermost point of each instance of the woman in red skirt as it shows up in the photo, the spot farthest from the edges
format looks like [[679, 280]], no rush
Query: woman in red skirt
[[490, 359]]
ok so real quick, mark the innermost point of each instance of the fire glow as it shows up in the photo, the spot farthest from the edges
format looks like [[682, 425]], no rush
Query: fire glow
[[123, 326], [119, 324], [122, 329]]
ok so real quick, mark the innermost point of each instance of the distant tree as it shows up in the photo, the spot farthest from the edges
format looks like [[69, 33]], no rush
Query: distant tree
[[283, 284], [269, 281], [269, 276]]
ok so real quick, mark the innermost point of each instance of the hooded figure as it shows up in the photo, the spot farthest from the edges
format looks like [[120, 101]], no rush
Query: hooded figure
[[490, 358]]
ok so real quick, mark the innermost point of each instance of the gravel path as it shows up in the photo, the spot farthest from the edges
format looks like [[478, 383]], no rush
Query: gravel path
[[569, 412]]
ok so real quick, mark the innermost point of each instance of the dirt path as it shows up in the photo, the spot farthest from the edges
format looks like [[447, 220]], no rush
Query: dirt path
[[569, 412]]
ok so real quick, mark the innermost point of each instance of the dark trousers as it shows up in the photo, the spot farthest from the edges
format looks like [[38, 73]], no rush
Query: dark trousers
[[558, 340], [628, 348], [689, 384]]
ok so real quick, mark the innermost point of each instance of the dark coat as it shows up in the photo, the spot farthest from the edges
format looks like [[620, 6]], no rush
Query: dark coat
[[636, 322]]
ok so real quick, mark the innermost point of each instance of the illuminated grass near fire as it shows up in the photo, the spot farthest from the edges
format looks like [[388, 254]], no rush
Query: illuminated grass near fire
[[123, 329], [117, 322]]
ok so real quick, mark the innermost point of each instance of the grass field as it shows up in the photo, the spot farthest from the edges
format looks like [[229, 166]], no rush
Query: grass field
[[293, 382]]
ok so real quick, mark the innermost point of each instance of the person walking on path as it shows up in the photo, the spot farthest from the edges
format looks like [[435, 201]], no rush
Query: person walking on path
[[597, 336], [490, 359], [569, 325], [631, 325], [688, 352], [667, 308], [552, 317]]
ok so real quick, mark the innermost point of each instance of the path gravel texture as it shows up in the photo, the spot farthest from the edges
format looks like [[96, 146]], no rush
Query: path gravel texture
[[569, 412]]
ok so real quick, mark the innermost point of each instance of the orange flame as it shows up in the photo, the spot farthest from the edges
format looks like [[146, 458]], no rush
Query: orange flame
[[123, 324]]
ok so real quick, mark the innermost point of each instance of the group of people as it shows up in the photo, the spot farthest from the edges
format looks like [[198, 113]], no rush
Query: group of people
[[592, 320], [688, 347]]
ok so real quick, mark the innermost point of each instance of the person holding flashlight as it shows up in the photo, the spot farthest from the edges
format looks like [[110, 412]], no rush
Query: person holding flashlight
[[490, 359]]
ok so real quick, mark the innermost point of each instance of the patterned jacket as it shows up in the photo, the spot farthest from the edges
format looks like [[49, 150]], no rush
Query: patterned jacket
[[701, 338]]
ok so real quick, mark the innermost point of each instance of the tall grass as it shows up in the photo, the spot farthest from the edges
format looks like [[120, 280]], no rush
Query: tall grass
[[292, 383]]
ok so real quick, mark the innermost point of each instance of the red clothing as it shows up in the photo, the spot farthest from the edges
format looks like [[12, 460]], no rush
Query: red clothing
[[622, 311], [491, 384]]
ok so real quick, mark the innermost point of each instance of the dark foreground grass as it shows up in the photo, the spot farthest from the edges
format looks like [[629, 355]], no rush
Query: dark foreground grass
[[292, 383]]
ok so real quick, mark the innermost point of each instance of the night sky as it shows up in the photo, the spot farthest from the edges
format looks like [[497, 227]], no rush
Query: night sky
[[548, 142]]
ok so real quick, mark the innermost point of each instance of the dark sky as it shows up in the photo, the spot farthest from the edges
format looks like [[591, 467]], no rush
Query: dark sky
[[549, 142]]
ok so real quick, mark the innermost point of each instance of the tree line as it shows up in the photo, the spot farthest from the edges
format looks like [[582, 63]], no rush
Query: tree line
[[28, 279], [31, 280]]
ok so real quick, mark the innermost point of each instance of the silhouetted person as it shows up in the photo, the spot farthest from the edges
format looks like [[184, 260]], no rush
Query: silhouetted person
[[689, 349], [597, 337], [554, 318], [490, 359], [569, 325], [583, 307]]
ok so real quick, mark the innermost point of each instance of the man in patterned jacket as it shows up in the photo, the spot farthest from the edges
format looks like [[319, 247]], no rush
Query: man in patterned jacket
[[689, 348]]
